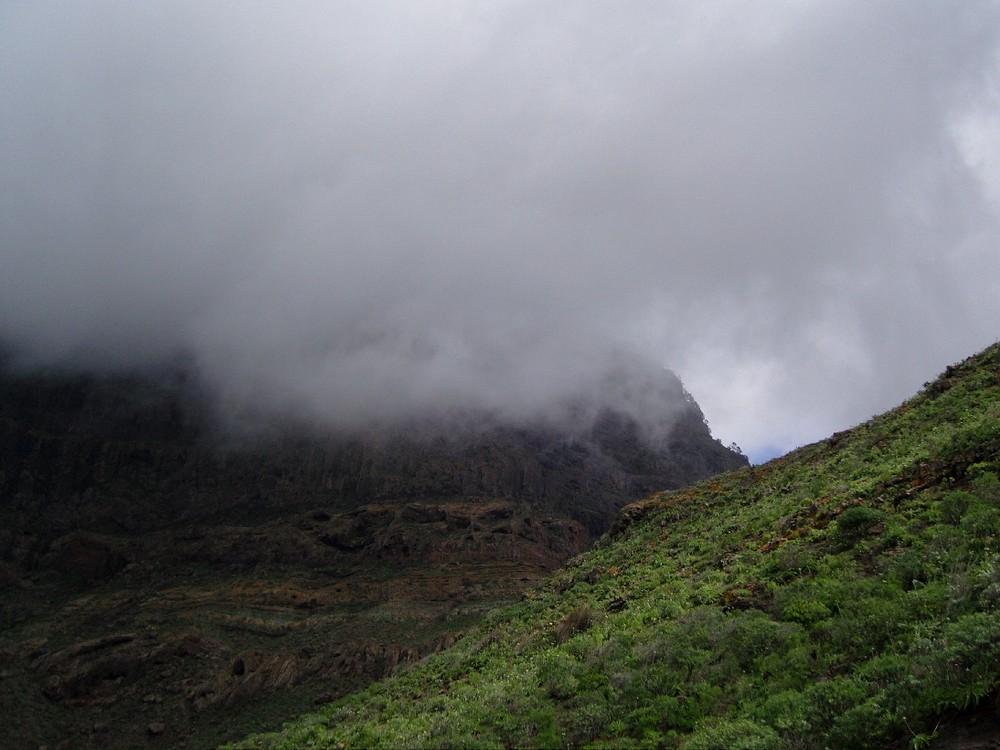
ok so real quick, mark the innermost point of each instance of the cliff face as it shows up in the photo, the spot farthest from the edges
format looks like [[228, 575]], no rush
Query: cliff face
[[126, 455], [145, 556]]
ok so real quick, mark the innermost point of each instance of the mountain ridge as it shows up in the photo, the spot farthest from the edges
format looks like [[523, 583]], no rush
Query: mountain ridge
[[843, 595], [150, 578]]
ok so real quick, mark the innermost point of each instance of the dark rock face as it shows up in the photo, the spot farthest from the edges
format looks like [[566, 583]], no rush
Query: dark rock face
[[150, 577], [128, 455]]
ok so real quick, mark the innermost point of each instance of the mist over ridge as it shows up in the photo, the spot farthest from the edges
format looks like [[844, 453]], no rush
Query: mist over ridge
[[628, 386], [363, 213]]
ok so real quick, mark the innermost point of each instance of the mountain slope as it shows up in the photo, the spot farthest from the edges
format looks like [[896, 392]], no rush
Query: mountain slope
[[161, 582], [845, 595]]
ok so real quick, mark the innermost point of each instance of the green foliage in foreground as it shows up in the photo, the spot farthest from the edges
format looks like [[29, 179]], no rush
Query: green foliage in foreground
[[846, 595]]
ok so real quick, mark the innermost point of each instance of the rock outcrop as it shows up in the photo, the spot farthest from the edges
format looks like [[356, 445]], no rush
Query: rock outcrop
[[154, 573]]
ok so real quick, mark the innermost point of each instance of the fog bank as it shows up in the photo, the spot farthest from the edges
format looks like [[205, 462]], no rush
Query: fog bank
[[373, 211]]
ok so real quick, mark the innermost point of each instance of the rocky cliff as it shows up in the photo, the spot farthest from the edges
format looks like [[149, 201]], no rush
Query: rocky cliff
[[161, 576]]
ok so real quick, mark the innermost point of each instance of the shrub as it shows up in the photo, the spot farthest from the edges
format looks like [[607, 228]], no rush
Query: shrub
[[805, 611], [987, 583], [546, 733], [790, 561], [895, 534], [754, 635], [575, 622], [832, 698], [789, 711], [910, 569], [656, 714], [555, 675], [586, 722], [866, 725], [954, 505], [982, 524], [957, 668], [738, 734], [857, 521], [986, 487], [867, 624]]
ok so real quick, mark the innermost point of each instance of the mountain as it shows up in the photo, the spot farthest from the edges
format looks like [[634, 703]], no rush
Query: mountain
[[169, 578], [846, 595]]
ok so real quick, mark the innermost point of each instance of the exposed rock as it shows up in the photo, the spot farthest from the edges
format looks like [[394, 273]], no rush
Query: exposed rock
[[152, 579], [86, 556], [374, 660], [89, 671]]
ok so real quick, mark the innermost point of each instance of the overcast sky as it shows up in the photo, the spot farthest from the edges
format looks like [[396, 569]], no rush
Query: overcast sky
[[362, 207]]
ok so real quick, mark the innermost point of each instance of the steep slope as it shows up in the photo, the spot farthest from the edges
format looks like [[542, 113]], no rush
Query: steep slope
[[162, 582], [845, 595]]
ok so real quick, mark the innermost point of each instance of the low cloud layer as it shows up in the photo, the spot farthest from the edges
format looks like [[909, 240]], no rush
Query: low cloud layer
[[371, 209]]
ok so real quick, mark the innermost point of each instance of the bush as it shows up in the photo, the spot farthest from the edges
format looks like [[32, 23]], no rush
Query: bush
[[959, 667], [555, 675], [982, 524], [656, 714], [866, 725], [954, 505], [910, 568], [987, 583], [739, 734], [857, 521], [754, 635], [986, 487], [805, 611], [832, 698], [575, 622], [867, 623], [789, 711]]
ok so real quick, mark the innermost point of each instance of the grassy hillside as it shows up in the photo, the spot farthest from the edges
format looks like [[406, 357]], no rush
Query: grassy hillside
[[845, 595]]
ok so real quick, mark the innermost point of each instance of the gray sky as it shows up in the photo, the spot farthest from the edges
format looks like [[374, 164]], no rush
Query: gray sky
[[361, 208]]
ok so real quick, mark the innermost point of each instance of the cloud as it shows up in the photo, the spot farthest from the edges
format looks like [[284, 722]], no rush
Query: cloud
[[366, 209]]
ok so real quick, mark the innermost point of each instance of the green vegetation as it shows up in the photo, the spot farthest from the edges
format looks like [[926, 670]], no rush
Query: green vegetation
[[845, 595]]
